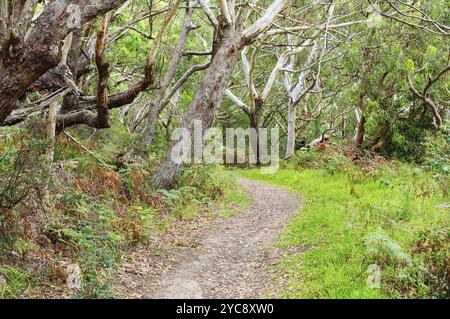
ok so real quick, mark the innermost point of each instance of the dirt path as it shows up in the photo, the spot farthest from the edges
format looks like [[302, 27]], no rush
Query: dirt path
[[231, 257]]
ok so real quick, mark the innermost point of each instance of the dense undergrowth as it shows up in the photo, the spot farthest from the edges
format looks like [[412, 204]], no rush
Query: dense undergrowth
[[360, 218], [95, 206], [95, 202]]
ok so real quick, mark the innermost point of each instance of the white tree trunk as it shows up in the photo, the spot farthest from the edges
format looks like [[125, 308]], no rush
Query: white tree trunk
[[296, 94], [209, 95], [292, 117]]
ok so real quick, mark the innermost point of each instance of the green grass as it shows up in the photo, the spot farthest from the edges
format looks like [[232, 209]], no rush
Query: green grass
[[15, 282], [233, 203], [342, 214]]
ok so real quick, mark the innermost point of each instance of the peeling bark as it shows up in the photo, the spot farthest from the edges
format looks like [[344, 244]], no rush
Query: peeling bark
[[103, 75], [43, 48], [204, 106], [361, 125]]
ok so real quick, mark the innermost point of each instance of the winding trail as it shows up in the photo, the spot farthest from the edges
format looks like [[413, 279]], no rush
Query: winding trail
[[231, 257]]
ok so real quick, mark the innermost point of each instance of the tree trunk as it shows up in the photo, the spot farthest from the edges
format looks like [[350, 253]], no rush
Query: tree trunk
[[156, 106], [291, 130], [152, 118], [103, 74], [255, 124], [206, 102], [296, 94], [230, 38], [41, 51], [380, 139], [71, 100], [362, 121]]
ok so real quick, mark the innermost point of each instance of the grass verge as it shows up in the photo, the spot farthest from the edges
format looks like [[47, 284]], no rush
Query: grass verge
[[396, 219]]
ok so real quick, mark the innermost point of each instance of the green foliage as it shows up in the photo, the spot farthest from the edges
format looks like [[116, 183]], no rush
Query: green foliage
[[101, 201], [430, 53], [16, 282], [429, 274], [24, 246], [384, 249], [437, 152], [172, 196], [200, 187], [96, 212], [88, 231], [330, 158], [409, 66], [20, 177], [233, 203], [408, 142], [99, 217], [308, 159], [208, 181], [357, 217]]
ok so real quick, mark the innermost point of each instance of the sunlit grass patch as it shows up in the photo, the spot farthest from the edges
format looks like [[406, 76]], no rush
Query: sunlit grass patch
[[14, 282], [348, 224], [234, 202]]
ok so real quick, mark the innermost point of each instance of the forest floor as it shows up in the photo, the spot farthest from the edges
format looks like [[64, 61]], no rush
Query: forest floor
[[216, 258]]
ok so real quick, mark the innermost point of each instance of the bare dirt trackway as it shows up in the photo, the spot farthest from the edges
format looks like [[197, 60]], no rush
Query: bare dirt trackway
[[231, 257]]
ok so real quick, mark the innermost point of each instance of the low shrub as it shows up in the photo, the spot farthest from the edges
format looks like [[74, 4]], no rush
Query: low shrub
[[428, 276]]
